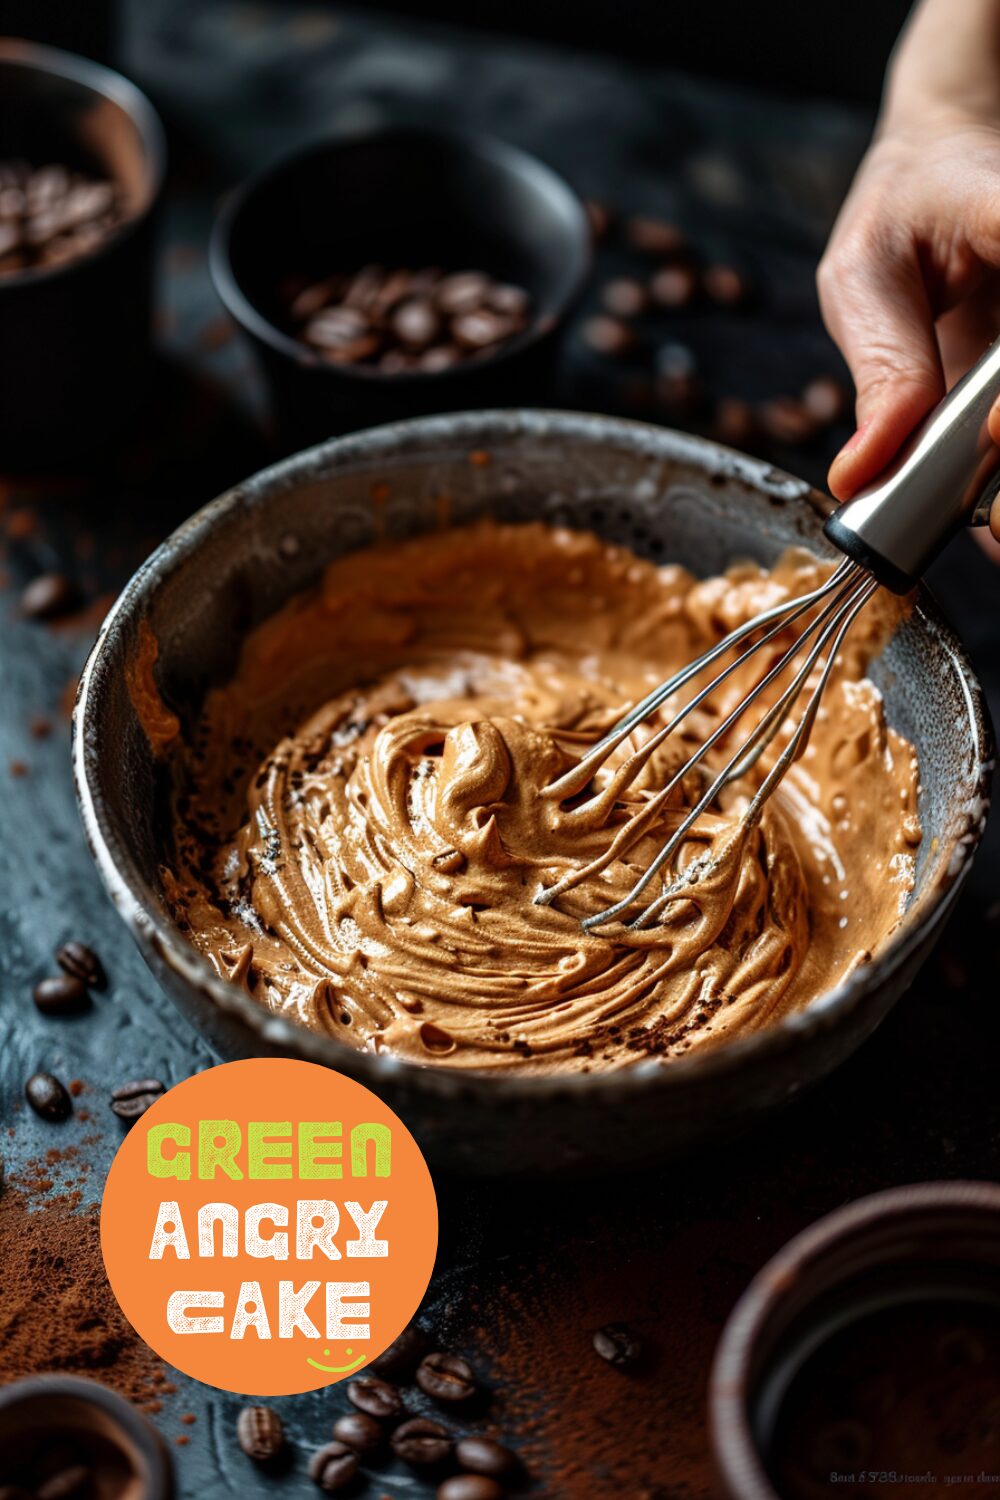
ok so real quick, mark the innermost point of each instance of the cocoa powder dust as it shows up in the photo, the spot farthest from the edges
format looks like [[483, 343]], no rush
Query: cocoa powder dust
[[58, 1312]]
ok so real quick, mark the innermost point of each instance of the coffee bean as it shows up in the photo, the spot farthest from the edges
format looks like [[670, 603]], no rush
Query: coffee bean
[[48, 596], [726, 285], [446, 1377], [10, 238], [674, 286], [403, 1354], [654, 236], [47, 1097], [416, 323], [376, 1397], [67, 1484], [260, 1433], [342, 333], [608, 336], [82, 962], [421, 1442], [333, 1467], [131, 1100], [359, 1431], [469, 1487], [788, 421], [15, 1492], [60, 995], [825, 399], [364, 287], [625, 297], [462, 292], [599, 217], [479, 329], [425, 280], [483, 1455], [734, 422], [512, 301], [396, 288], [397, 362], [312, 299], [441, 357], [616, 1343]]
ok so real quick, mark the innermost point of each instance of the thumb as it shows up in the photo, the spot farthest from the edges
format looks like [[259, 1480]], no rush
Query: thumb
[[875, 305], [994, 430]]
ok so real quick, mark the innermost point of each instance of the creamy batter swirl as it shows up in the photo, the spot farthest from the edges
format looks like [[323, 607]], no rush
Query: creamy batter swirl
[[361, 830]]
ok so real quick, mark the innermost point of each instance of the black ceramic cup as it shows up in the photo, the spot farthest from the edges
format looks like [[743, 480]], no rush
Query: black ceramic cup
[[53, 1425], [399, 198], [75, 337], [863, 1355]]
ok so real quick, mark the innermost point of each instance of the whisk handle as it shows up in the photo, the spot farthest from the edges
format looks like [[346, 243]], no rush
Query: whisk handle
[[946, 476]]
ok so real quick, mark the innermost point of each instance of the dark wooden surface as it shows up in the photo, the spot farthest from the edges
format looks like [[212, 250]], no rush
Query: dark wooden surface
[[521, 1272]]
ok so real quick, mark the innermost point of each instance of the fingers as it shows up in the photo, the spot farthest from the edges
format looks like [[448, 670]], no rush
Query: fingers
[[875, 304]]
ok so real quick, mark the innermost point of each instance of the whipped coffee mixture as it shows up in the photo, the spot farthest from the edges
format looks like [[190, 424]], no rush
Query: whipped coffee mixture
[[360, 826]]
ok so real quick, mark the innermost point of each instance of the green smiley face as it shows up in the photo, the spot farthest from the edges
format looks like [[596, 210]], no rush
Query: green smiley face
[[336, 1369]]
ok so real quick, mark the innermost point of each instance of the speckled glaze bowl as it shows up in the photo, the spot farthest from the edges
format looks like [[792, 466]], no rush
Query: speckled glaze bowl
[[670, 497]]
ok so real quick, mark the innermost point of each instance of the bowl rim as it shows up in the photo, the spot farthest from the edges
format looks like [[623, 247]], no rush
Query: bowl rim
[[109, 84], [734, 1450], [450, 434], [474, 143]]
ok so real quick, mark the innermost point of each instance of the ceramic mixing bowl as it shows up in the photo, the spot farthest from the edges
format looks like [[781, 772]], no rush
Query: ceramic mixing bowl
[[668, 496]]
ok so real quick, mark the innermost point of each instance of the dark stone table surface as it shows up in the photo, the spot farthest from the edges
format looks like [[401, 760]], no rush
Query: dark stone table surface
[[524, 1275]]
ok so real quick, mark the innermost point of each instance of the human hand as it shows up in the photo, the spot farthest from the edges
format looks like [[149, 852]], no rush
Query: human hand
[[910, 282]]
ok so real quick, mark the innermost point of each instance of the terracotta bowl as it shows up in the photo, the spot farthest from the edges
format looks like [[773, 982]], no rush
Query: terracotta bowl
[[904, 1246], [670, 497]]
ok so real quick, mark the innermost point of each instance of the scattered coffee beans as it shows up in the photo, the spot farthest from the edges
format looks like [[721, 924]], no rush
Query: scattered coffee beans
[[609, 336], [674, 286], [446, 1377], [421, 1442], [130, 1100], [825, 399], [48, 596], [625, 297], [333, 1467], [403, 321], [788, 421], [358, 1431], [469, 1487], [403, 1354], [483, 1455], [259, 1433], [734, 423], [726, 286], [47, 1097], [50, 215], [654, 236], [616, 1343], [62, 995], [82, 962], [376, 1397], [599, 218]]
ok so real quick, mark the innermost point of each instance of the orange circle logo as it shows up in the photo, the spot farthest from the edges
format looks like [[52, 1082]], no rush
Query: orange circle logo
[[269, 1226]]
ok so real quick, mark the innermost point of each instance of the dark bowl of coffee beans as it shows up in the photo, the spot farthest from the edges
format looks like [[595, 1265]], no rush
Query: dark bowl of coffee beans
[[409, 271], [82, 158]]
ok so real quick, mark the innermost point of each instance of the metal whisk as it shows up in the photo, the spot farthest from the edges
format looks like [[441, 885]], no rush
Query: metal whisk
[[947, 475]]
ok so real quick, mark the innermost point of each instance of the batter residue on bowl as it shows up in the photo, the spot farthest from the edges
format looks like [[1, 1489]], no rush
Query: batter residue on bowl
[[359, 834]]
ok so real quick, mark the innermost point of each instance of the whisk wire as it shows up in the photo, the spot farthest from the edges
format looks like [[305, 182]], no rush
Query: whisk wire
[[640, 821], [780, 616]]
